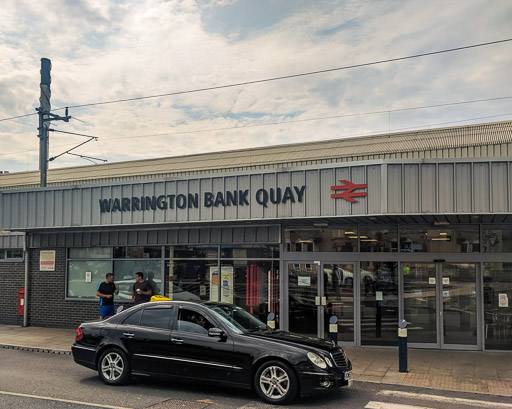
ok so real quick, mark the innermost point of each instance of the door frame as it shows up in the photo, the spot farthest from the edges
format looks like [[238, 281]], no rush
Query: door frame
[[440, 344], [321, 295]]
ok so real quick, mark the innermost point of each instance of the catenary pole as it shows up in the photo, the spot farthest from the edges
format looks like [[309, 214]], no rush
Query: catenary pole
[[44, 118]]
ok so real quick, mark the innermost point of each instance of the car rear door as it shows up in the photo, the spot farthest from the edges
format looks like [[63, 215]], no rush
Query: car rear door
[[196, 354], [146, 335]]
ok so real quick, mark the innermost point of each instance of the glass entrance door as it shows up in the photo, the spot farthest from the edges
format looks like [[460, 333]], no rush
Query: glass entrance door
[[318, 292], [420, 302], [303, 298], [440, 303], [338, 286], [459, 307]]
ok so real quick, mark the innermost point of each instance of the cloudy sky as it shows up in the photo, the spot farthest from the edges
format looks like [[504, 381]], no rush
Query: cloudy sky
[[104, 50]]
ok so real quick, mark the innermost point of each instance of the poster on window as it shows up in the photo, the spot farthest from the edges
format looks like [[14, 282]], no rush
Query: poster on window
[[226, 281], [47, 260]]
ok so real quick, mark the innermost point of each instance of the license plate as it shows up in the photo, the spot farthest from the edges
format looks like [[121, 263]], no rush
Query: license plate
[[348, 376]]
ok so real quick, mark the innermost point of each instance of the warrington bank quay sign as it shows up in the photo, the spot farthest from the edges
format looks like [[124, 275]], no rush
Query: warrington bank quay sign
[[263, 197]]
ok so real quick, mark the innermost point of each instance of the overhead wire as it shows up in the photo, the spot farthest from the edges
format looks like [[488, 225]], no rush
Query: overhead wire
[[369, 134], [304, 74], [308, 119], [273, 78]]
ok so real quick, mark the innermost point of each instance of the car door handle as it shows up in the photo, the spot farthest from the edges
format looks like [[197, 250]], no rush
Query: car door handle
[[176, 341], [128, 334]]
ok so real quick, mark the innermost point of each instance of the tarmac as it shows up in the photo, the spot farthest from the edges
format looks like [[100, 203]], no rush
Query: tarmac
[[462, 371]]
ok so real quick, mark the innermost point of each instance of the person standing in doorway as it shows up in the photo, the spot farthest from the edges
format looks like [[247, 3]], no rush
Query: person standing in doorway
[[106, 290], [141, 291]]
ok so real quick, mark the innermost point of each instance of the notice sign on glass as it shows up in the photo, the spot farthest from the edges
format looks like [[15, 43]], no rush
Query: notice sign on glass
[[47, 260], [503, 300], [304, 281]]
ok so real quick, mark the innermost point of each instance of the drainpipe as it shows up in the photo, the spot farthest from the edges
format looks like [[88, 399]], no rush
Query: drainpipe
[[25, 254]]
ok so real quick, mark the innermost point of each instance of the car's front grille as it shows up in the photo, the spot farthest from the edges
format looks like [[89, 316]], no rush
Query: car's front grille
[[339, 358]]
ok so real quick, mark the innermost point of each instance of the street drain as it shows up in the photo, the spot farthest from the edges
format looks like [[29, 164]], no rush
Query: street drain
[[179, 404]]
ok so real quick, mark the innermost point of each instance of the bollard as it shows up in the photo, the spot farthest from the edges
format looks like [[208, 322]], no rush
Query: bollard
[[333, 329], [402, 346], [271, 320]]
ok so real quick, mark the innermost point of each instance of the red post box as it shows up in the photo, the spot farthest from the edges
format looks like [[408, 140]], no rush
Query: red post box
[[21, 301]]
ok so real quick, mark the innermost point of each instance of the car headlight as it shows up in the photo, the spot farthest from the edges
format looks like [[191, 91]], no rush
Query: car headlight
[[317, 360], [329, 362]]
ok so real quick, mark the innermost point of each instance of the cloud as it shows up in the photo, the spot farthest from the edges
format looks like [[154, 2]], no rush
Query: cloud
[[104, 50]]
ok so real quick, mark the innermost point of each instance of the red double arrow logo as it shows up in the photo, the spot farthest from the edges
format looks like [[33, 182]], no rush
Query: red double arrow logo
[[348, 188]]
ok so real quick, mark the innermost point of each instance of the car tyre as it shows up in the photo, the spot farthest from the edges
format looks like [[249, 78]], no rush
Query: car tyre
[[276, 383], [114, 367]]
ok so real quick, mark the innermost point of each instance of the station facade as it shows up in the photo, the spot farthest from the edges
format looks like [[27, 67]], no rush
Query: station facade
[[371, 230]]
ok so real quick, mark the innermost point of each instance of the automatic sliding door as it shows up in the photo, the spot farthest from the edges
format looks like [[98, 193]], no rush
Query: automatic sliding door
[[339, 292], [303, 312], [458, 287], [420, 302], [379, 303]]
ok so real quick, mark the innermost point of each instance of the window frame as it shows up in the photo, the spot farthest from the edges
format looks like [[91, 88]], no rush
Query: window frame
[[6, 259]]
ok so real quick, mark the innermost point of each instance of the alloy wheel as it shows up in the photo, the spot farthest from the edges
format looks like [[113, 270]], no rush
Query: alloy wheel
[[274, 382], [112, 366]]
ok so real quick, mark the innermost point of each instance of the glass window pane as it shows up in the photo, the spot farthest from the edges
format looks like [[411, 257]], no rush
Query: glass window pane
[[133, 319], [89, 252], [252, 285], [124, 273], [2, 254], [379, 303], [192, 252], [303, 290], [15, 254], [459, 304], [138, 252], [378, 238], [420, 302], [497, 239], [452, 239], [254, 251], [156, 318], [78, 287], [457, 239], [331, 240], [339, 292], [414, 239], [192, 279], [498, 305], [192, 321]]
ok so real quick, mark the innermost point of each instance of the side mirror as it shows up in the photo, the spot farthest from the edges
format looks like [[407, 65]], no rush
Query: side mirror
[[216, 333]]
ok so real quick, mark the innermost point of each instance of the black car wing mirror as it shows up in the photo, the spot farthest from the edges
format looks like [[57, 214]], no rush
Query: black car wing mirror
[[216, 333]]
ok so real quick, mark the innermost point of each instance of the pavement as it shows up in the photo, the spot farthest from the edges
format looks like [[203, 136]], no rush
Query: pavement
[[462, 371]]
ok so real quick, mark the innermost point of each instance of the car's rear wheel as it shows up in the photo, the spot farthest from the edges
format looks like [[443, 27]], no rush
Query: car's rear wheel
[[276, 383], [114, 367]]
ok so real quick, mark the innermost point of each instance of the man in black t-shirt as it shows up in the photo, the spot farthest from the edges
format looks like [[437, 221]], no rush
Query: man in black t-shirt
[[106, 290], [141, 291]]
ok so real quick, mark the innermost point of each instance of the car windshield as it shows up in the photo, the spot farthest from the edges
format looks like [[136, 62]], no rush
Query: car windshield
[[237, 319]]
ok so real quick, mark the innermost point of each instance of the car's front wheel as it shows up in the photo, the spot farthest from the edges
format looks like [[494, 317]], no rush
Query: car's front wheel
[[276, 383], [114, 367]]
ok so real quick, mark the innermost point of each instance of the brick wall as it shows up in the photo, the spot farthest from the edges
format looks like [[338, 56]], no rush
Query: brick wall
[[47, 292], [12, 277]]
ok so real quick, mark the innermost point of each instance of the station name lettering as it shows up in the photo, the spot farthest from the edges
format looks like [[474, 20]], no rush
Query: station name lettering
[[263, 197]]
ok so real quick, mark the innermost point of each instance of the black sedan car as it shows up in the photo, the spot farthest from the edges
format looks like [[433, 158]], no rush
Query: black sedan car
[[213, 342]]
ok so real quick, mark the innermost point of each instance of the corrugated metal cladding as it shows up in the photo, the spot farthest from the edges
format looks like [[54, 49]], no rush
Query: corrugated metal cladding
[[469, 141], [182, 236], [11, 241], [415, 187]]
